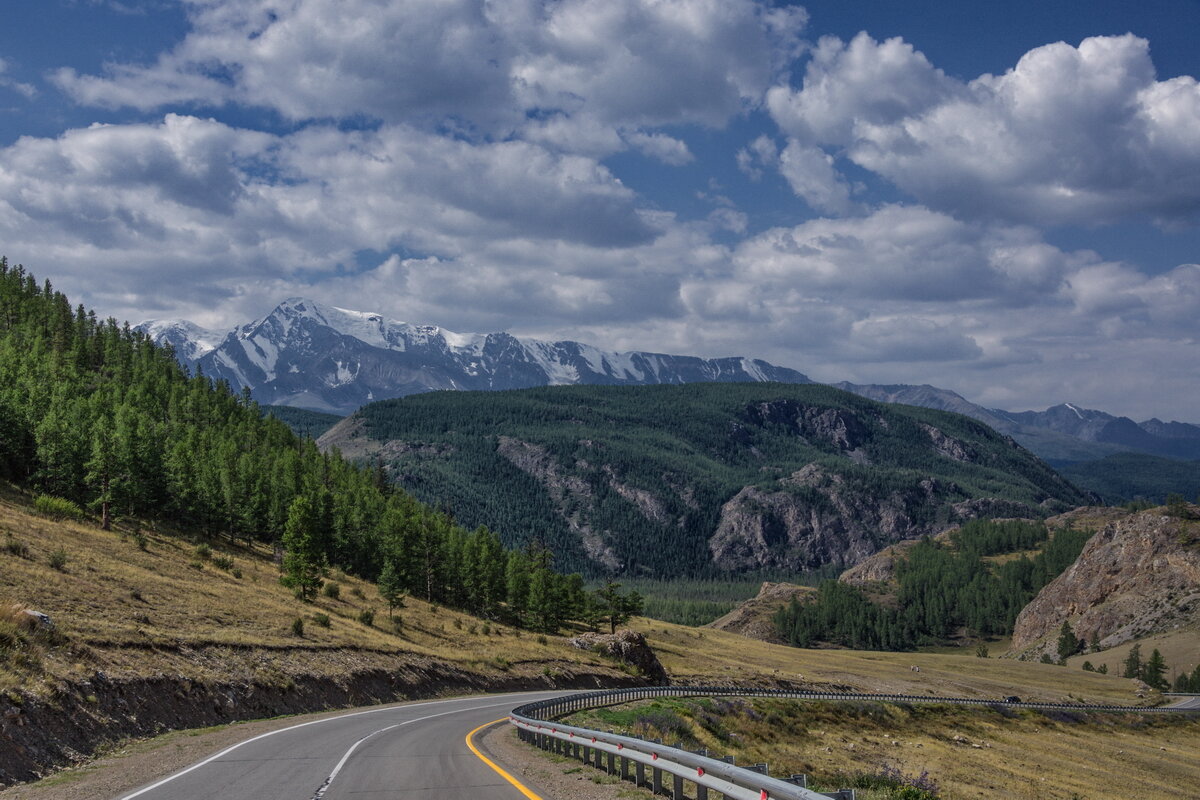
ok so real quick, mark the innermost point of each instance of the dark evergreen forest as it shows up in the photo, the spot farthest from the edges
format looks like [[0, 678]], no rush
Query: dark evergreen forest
[[649, 467], [942, 590]]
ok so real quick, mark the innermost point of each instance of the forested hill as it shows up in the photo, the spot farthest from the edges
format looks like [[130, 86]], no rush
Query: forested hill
[[96, 416], [699, 478]]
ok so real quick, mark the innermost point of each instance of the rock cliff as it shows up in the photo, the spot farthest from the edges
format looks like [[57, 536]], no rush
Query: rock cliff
[[1138, 575]]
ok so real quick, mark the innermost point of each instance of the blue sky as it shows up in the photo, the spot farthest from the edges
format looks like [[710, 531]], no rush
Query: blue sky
[[1002, 199]]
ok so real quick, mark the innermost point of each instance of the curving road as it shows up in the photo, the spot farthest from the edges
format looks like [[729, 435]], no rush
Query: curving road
[[414, 752], [410, 752]]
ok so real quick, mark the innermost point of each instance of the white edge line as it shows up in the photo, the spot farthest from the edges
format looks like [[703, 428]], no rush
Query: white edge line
[[228, 750]]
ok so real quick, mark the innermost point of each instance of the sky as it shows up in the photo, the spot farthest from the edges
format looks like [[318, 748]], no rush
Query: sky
[[999, 199]]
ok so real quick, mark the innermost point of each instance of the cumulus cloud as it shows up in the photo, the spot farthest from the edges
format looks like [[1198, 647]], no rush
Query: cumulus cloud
[[909, 253], [623, 63], [139, 205], [1069, 135]]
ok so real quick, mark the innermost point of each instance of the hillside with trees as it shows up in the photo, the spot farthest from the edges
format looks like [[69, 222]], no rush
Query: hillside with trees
[[941, 590], [699, 479], [97, 418]]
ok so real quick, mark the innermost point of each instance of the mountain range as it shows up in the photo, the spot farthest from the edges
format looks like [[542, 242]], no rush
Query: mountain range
[[323, 358], [313, 356]]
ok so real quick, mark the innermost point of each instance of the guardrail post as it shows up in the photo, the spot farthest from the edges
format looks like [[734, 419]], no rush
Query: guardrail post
[[612, 763], [840, 794], [624, 768], [799, 779], [656, 786], [701, 792], [678, 793], [639, 772], [587, 754]]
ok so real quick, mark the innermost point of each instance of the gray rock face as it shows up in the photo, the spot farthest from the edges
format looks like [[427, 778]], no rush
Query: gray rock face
[[1137, 576], [824, 520]]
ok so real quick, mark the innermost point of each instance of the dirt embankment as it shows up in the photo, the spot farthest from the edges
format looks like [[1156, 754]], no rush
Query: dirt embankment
[[75, 719]]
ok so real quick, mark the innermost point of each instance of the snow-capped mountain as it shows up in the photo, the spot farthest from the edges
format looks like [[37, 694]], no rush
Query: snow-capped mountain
[[189, 340], [314, 356]]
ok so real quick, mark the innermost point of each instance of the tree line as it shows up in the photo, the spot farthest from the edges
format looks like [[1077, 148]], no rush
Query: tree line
[[941, 589], [98, 414]]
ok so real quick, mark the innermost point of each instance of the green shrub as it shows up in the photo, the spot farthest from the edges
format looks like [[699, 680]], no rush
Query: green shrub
[[223, 562], [298, 627], [140, 540], [15, 547], [203, 551], [367, 617], [333, 590], [57, 507], [542, 639], [237, 573], [321, 619], [58, 559]]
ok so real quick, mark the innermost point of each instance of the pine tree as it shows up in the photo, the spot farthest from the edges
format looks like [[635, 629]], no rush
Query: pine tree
[[304, 560], [1154, 671], [517, 579], [1068, 644], [391, 587], [1133, 663], [618, 608]]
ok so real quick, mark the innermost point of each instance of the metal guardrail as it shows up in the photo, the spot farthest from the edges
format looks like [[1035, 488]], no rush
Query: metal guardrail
[[535, 723]]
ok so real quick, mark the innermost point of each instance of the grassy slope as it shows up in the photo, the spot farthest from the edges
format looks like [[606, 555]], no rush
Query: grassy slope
[[180, 609], [968, 752], [93, 605]]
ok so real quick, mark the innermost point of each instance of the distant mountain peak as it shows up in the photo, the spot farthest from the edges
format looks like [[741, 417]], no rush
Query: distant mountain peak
[[322, 357]]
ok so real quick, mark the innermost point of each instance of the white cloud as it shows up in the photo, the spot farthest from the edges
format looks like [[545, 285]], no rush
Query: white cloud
[[666, 149], [909, 253], [812, 176], [142, 205], [1069, 135], [9, 83], [624, 64]]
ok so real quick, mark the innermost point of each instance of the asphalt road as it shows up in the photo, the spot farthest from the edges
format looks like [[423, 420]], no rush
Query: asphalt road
[[411, 752], [1186, 702]]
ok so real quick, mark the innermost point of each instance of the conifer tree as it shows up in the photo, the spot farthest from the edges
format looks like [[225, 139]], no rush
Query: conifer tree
[[304, 559], [1154, 671], [517, 580], [1068, 644], [1133, 663], [391, 588]]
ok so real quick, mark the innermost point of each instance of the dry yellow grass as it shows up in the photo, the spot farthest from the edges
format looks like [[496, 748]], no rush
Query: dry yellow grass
[[129, 611], [133, 611], [695, 655], [1180, 648], [970, 753]]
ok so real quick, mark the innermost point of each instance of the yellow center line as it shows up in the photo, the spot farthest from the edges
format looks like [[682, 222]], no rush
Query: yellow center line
[[471, 744]]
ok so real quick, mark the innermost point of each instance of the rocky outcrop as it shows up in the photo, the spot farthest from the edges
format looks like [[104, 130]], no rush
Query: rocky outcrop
[[628, 647], [1139, 575], [570, 493], [834, 428], [878, 568], [39, 733], [820, 518], [753, 617]]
